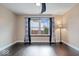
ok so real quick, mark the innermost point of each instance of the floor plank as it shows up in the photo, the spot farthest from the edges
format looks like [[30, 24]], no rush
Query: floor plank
[[37, 49]]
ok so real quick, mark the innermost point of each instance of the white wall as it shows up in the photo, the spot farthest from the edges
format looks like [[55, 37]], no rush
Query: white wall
[[71, 20], [40, 39], [7, 27], [21, 30], [58, 20]]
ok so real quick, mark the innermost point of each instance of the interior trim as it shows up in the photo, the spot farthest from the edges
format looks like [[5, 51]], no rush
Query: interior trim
[[40, 35], [6, 46], [74, 47]]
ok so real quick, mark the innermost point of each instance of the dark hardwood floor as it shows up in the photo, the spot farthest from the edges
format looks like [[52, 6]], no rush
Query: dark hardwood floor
[[19, 49]]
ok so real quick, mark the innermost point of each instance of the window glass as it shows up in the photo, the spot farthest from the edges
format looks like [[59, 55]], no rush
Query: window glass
[[40, 25]]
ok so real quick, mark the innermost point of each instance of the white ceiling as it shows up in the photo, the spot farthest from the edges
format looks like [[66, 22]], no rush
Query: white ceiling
[[31, 8]]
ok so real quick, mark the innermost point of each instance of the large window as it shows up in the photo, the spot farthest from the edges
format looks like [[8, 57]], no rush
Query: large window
[[40, 26]]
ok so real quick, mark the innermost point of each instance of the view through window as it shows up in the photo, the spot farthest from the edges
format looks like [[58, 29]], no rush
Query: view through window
[[40, 26]]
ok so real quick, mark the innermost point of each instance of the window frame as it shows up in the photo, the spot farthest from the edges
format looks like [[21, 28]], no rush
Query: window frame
[[40, 34]]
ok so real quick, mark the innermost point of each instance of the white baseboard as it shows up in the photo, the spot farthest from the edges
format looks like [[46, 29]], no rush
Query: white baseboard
[[76, 48], [2, 48]]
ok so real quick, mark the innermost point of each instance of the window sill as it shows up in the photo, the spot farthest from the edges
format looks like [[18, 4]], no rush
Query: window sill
[[40, 35]]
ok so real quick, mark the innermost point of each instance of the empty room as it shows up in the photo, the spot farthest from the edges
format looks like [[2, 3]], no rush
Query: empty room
[[39, 29]]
